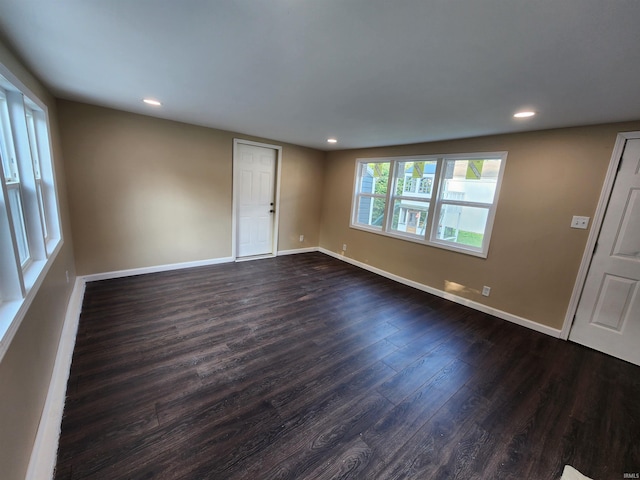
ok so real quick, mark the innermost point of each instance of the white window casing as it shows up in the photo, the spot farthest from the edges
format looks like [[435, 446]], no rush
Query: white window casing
[[30, 235], [445, 201]]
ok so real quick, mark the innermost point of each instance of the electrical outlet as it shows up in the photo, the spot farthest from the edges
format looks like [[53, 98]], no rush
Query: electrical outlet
[[344, 247], [486, 291], [67, 275], [580, 222], [302, 238]]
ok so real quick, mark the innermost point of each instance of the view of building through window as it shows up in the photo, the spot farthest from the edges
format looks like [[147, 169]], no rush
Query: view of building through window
[[449, 200]]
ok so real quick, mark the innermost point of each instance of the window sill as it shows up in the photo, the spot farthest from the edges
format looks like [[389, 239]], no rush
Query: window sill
[[12, 312], [31, 274], [51, 246]]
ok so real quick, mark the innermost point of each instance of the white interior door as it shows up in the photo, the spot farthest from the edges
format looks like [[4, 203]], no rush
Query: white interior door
[[256, 173], [608, 314]]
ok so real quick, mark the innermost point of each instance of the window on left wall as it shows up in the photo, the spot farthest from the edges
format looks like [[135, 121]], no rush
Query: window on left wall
[[30, 236]]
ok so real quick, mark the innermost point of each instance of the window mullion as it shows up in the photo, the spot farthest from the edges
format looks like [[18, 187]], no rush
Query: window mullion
[[434, 205], [391, 186]]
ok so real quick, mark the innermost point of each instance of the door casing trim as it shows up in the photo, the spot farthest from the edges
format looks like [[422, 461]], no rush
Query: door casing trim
[[234, 204], [596, 225]]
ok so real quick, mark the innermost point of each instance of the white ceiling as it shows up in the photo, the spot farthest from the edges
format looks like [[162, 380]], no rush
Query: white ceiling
[[369, 72]]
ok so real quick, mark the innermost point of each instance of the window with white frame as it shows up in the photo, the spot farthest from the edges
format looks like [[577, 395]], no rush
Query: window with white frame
[[32, 118], [12, 182], [29, 222], [447, 201]]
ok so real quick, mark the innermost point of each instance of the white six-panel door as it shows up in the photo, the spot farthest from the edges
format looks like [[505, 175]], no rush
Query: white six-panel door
[[608, 314], [255, 199]]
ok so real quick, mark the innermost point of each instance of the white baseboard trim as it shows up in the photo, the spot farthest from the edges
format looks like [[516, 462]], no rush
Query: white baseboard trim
[[159, 268], [43, 456], [538, 327], [297, 250]]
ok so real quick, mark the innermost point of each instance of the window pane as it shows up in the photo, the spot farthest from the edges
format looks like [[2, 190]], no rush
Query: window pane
[[415, 179], [6, 162], [370, 211], [31, 130], [409, 216], [6, 144], [43, 219], [470, 180], [463, 225], [18, 224], [374, 178]]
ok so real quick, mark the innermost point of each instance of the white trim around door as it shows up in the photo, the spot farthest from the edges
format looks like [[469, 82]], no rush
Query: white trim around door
[[598, 218], [237, 142]]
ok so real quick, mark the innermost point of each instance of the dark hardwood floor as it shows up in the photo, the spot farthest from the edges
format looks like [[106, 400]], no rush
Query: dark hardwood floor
[[306, 367]]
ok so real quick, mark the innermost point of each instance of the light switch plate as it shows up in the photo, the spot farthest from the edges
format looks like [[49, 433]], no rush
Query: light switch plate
[[580, 222]]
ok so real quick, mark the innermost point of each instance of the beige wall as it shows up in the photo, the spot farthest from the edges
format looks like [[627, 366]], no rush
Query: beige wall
[[146, 192], [25, 370], [300, 197], [534, 256]]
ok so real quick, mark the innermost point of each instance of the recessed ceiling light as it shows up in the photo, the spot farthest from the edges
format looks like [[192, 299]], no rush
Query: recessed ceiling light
[[525, 114], [332, 140], [151, 101]]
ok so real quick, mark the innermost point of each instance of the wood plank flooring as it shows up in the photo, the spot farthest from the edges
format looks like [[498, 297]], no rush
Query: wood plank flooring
[[305, 367]]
